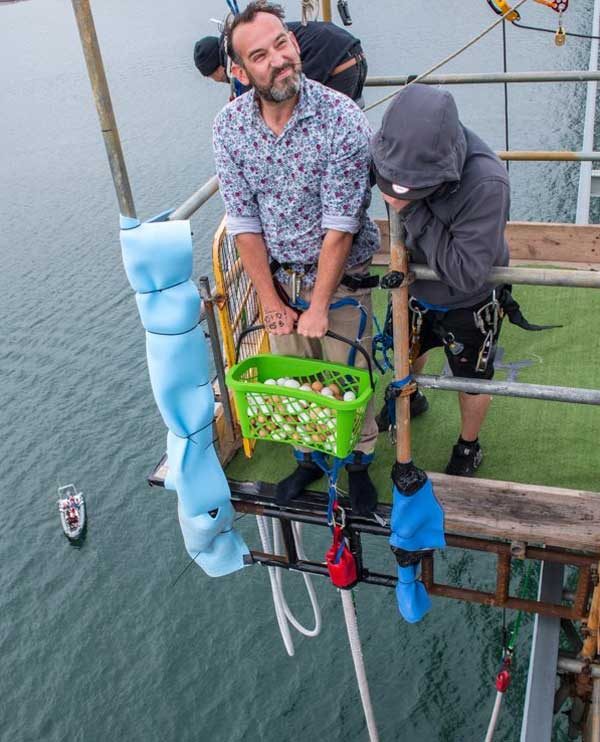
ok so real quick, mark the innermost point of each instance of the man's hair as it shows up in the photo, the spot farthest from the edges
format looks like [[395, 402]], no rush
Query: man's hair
[[247, 16]]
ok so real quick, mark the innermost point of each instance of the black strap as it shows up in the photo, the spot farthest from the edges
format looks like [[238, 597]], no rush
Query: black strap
[[514, 314], [353, 281]]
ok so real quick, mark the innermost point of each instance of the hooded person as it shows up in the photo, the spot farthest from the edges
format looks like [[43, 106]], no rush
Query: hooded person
[[453, 195]]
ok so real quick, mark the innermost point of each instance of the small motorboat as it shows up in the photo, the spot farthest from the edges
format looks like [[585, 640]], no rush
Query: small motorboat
[[71, 507]]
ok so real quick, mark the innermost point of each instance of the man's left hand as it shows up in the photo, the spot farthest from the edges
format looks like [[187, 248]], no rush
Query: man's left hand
[[313, 323]]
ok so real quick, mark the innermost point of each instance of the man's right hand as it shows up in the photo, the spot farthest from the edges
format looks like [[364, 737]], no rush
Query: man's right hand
[[280, 319]]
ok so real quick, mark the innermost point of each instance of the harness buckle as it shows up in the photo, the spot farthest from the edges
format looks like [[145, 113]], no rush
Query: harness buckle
[[339, 511], [295, 285]]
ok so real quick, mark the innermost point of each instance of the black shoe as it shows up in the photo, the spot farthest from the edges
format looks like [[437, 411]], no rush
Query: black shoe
[[465, 459], [361, 489], [418, 405], [294, 485]]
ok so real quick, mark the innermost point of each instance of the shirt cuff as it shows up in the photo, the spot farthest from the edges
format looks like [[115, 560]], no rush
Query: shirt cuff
[[243, 224], [349, 224]]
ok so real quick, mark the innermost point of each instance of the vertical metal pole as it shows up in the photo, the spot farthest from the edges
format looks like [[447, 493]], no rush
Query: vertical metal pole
[[216, 351], [399, 262], [108, 124], [582, 214], [326, 4], [595, 711]]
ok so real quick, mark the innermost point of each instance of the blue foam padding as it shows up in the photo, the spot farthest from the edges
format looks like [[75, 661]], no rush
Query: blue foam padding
[[128, 222], [179, 375], [196, 474], [411, 595], [158, 262], [417, 520], [171, 311], [212, 542], [157, 255]]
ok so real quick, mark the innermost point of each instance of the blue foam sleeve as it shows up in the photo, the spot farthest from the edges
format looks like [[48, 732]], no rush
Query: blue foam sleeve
[[411, 595], [158, 261], [180, 379], [170, 312], [417, 520], [157, 255]]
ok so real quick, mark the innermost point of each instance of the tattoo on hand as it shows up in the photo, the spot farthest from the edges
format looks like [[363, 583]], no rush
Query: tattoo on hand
[[274, 319]]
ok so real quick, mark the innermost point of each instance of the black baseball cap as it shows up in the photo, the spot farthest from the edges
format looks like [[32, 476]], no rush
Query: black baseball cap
[[207, 55]]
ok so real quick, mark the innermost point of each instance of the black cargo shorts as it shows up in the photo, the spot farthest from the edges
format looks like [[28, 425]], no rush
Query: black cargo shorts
[[457, 332]]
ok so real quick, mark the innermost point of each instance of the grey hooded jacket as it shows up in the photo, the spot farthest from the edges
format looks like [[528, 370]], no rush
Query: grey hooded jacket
[[459, 229]]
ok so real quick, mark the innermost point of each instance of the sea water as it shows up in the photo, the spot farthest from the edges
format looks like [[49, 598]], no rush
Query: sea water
[[98, 643]]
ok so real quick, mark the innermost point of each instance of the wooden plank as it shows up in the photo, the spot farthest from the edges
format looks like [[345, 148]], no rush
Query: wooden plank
[[555, 243], [520, 512]]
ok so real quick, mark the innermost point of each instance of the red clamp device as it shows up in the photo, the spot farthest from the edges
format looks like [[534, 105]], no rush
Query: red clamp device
[[503, 676], [340, 561]]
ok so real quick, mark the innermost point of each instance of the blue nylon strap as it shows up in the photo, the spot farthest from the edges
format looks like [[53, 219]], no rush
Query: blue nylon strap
[[433, 307], [332, 473], [382, 342], [391, 400]]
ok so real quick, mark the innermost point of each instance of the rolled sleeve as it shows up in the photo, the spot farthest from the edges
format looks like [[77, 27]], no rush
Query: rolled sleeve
[[340, 223], [243, 224]]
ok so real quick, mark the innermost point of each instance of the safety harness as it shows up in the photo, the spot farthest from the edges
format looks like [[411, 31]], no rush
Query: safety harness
[[486, 317], [352, 281], [341, 562]]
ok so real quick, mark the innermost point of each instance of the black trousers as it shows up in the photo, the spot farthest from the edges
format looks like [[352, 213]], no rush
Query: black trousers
[[351, 81]]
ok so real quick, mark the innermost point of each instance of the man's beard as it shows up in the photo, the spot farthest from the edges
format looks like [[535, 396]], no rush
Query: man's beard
[[277, 92]]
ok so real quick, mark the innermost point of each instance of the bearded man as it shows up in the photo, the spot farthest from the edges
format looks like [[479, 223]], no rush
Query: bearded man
[[292, 159]]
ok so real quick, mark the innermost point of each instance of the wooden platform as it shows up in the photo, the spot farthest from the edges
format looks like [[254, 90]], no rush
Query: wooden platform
[[534, 514], [569, 245]]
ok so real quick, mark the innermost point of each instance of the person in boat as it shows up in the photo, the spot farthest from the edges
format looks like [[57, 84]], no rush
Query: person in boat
[[330, 55], [293, 164], [453, 194]]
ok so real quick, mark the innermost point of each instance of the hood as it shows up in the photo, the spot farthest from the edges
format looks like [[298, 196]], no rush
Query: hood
[[421, 142]]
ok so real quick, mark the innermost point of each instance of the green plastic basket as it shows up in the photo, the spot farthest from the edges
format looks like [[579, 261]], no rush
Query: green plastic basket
[[300, 417]]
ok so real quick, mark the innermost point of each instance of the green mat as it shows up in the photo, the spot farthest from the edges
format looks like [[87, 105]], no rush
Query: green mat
[[523, 440]]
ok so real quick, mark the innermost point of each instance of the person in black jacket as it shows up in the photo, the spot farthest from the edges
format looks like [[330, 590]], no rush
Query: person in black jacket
[[454, 196], [329, 54]]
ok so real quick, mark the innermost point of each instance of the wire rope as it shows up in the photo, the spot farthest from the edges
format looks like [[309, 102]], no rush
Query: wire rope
[[450, 57]]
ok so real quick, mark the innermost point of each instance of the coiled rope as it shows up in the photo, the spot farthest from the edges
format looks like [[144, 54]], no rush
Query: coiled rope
[[283, 613], [450, 57], [285, 617]]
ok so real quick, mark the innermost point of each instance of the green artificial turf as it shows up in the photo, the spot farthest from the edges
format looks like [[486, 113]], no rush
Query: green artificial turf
[[524, 440]]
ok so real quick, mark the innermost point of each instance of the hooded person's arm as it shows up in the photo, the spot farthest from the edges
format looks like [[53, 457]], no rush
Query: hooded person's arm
[[463, 253]]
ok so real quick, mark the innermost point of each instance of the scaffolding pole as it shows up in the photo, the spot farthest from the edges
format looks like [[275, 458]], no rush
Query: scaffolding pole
[[510, 389], [399, 263], [525, 276], [106, 116], [485, 78]]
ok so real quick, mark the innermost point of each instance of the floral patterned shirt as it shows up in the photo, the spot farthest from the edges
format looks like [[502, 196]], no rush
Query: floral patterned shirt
[[294, 187]]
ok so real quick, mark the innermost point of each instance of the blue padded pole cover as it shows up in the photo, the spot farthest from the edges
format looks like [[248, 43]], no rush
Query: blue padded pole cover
[[157, 256], [417, 524]]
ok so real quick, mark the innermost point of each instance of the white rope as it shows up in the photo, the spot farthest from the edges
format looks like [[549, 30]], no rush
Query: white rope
[[277, 546], [494, 720], [283, 613], [450, 57], [310, 11], [284, 628], [359, 663]]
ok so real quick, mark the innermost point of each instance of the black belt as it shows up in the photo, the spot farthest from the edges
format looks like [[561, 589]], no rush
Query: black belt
[[352, 281]]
